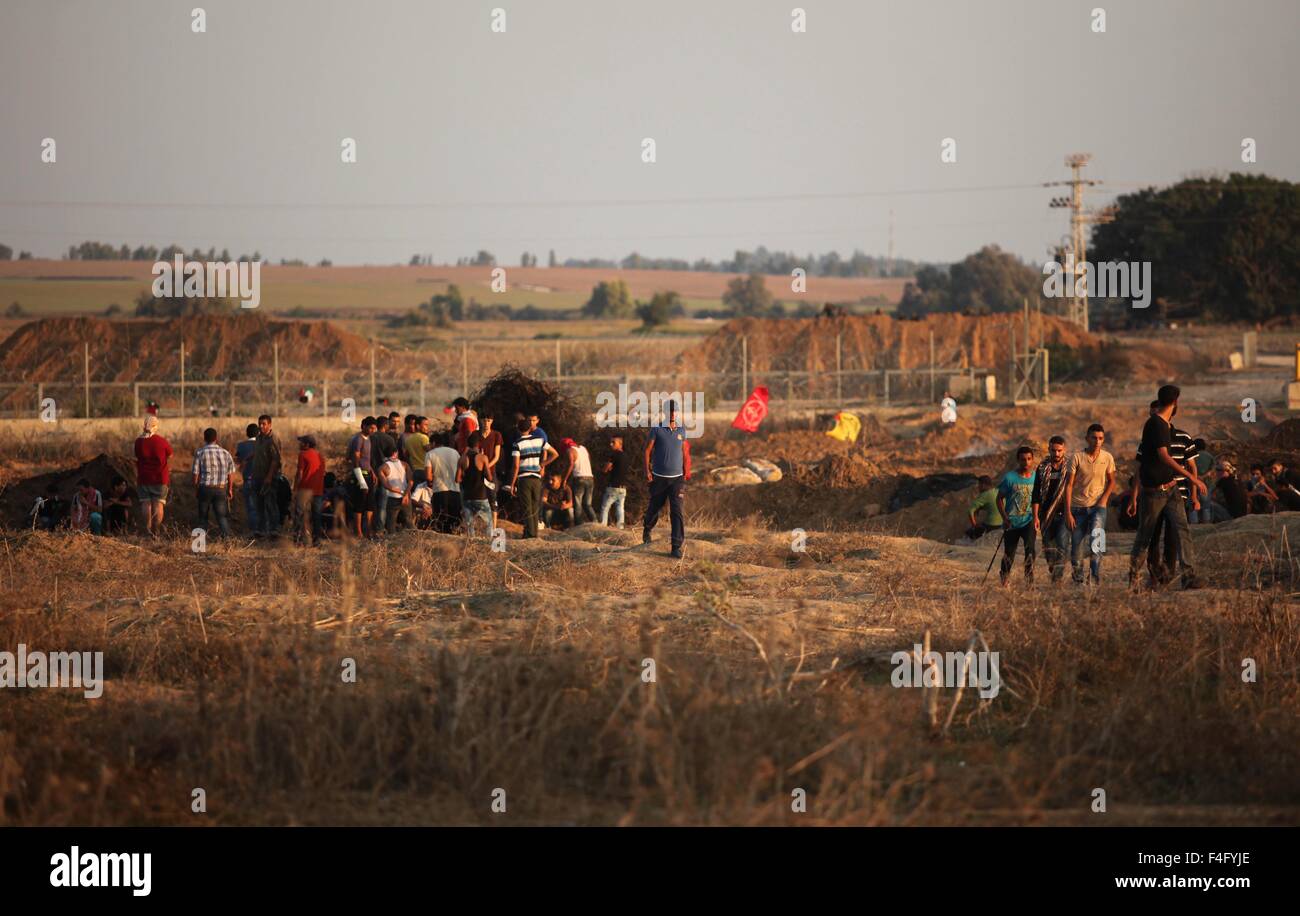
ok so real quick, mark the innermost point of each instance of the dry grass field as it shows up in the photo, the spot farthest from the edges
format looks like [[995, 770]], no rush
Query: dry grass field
[[63, 287], [525, 670]]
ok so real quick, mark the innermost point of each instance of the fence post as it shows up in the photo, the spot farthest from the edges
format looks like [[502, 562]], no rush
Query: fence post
[[275, 358], [886, 387], [136, 407], [182, 380], [325, 398], [373, 402], [40, 395], [464, 368], [230, 396], [839, 368], [421, 394], [86, 374], [932, 367], [744, 367]]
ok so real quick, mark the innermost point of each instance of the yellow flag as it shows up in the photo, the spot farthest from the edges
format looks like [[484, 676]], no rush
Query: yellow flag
[[847, 427]]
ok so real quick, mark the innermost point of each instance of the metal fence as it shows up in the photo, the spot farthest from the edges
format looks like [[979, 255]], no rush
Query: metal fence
[[370, 393]]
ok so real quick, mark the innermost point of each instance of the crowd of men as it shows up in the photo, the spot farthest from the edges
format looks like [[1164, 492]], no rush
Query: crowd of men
[[396, 472], [1064, 501]]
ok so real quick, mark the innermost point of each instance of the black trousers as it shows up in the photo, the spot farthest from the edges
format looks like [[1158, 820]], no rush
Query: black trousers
[[667, 490], [1015, 536]]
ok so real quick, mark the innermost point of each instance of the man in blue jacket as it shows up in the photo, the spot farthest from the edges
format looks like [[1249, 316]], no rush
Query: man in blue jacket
[[667, 468]]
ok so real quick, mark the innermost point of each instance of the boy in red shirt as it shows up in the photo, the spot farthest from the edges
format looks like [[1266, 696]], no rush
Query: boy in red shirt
[[308, 487]]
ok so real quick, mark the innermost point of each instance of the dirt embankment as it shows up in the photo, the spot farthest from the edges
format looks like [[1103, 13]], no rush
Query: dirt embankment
[[874, 342], [237, 346]]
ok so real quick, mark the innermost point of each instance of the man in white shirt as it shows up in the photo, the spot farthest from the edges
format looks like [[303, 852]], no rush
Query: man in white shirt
[[440, 469]]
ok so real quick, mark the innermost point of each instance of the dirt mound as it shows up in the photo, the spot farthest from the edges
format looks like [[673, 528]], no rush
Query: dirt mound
[[912, 490], [839, 471], [237, 346], [1285, 436], [17, 499], [873, 342]]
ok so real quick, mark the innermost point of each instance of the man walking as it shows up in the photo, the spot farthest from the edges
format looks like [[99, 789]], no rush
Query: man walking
[[1049, 507], [1019, 520], [266, 465], [531, 453], [1157, 496], [1087, 493], [667, 468], [213, 482]]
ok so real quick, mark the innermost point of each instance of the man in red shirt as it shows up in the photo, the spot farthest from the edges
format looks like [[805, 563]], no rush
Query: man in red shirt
[[308, 487], [464, 423], [152, 475]]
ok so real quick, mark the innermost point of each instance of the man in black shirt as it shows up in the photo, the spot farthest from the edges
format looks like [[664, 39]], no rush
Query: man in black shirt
[[1231, 490], [1049, 507], [615, 482], [1157, 495]]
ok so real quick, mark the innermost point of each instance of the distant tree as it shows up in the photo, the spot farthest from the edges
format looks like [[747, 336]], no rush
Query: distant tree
[[25, 256], [148, 305], [990, 280], [551, 262], [484, 259], [15, 310], [748, 296], [1224, 248], [609, 299], [659, 311], [6, 253], [325, 262]]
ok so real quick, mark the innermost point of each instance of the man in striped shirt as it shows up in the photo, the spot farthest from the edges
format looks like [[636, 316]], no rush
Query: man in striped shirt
[[532, 453], [213, 483]]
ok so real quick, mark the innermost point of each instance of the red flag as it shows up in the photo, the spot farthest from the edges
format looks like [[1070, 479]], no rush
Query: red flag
[[752, 411]]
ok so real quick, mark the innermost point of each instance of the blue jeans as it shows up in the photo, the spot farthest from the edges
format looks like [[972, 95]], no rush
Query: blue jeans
[[1086, 521], [614, 497], [251, 515], [214, 499], [1056, 541]]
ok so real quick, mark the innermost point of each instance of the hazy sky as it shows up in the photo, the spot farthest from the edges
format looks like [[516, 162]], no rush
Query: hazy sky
[[531, 139]]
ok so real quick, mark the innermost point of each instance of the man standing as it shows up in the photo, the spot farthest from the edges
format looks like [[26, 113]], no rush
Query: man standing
[[667, 468], [583, 482], [416, 446], [152, 474], [615, 482], [472, 477], [490, 444], [442, 463], [1019, 520], [266, 465], [531, 453], [308, 488], [213, 484], [1157, 496], [244, 458], [1087, 493], [464, 423], [361, 480], [381, 447]]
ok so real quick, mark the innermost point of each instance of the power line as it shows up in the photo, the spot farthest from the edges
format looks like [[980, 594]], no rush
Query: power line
[[515, 205]]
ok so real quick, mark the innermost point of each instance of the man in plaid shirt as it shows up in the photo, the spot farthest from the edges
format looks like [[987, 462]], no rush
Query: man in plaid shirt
[[213, 482]]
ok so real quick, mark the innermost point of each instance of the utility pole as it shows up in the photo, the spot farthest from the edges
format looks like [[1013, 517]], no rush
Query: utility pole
[[1080, 219], [889, 266]]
